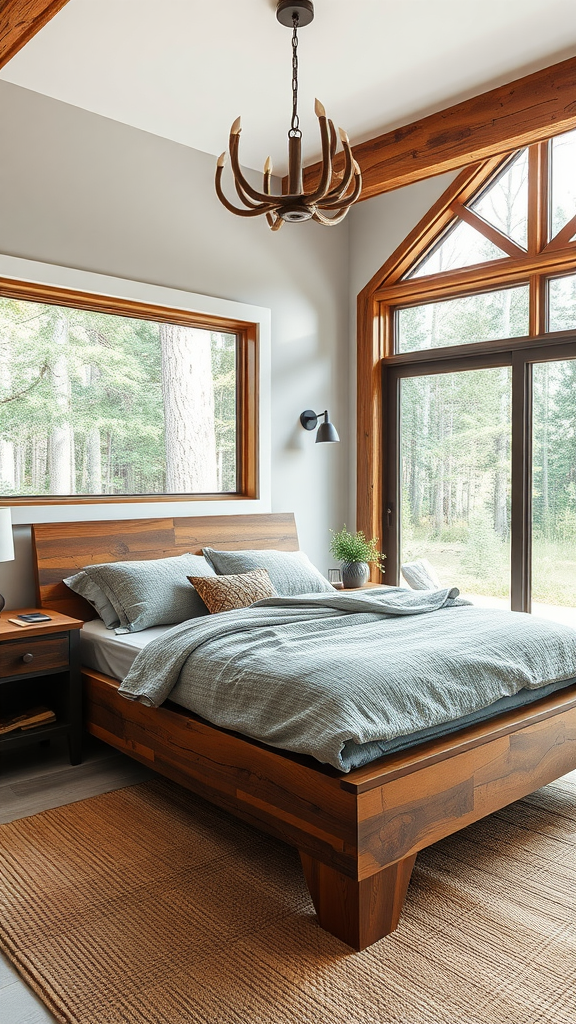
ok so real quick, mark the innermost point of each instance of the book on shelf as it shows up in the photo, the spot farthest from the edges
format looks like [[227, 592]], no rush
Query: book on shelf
[[26, 720]]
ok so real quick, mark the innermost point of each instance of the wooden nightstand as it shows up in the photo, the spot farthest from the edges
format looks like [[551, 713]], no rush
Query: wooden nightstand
[[40, 665], [367, 586]]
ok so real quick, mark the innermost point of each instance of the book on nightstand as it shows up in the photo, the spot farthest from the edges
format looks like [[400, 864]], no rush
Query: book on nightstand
[[27, 720]]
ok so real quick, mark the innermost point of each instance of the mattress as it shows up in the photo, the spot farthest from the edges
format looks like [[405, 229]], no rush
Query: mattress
[[114, 655]]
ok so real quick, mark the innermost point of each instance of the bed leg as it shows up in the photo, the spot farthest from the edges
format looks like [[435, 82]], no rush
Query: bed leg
[[357, 912]]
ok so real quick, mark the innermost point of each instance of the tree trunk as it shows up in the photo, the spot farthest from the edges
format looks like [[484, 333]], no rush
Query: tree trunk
[[61, 439], [7, 465], [188, 392], [39, 459], [544, 448], [93, 462], [7, 468]]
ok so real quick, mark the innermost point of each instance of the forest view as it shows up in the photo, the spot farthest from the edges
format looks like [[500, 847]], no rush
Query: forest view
[[93, 403], [456, 427]]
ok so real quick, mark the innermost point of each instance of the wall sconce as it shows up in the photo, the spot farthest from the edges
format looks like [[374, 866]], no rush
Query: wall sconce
[[326, 431]]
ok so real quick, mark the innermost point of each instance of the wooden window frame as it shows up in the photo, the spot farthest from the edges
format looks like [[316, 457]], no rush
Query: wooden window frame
[[380, 367], [247, 335]]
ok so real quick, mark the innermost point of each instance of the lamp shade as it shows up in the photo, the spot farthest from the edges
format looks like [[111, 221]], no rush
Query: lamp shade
[[6, 538], [326, 431]]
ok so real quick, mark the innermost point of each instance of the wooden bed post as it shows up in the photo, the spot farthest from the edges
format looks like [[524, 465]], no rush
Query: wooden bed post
[[358, 912]]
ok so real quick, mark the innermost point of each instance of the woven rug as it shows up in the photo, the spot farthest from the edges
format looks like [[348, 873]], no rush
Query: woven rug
[[149, 906]]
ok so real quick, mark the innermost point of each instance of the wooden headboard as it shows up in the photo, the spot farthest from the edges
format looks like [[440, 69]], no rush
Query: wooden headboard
[[61, 549]]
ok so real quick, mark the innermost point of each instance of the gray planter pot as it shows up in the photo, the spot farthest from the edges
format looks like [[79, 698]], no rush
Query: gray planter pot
[[355, 574]]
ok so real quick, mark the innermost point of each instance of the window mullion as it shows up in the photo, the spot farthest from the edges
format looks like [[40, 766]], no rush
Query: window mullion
[[521, 510], [538, 197]]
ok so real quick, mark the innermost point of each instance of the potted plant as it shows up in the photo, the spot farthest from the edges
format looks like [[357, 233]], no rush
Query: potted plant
[[355, 553]]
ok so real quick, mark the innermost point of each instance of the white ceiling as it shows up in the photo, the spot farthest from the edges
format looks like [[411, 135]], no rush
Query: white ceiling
[[185, 69]]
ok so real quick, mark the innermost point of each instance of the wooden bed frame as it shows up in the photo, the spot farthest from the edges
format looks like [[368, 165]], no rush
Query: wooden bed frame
[[357, 834]]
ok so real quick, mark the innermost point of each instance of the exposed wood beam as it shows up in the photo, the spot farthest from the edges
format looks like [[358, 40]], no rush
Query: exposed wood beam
[[525, 111], [22, 19]]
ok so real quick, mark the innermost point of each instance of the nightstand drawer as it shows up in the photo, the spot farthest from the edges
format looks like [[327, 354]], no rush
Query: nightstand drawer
[[47, 653]]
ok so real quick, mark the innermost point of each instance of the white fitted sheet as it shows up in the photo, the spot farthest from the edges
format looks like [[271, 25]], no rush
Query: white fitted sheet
[[113, 655]]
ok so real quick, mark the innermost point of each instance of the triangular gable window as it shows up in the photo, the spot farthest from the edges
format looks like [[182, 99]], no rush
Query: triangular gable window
[[461, 246], [505, 203], [563, 182], [493, 225]]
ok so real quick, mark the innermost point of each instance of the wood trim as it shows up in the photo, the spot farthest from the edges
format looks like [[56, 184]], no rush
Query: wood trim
[[369, 418], [248, 445], [248, 386], [31, 291], [488, 230], [20, 20], [430, 227], [525, 111], [538, 213], [481, 277]]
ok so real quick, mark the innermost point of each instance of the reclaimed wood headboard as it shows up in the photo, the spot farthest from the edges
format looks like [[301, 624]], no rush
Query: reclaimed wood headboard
[[61, 549]]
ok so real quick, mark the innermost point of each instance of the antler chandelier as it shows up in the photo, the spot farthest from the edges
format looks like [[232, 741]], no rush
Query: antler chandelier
[[336, 192]]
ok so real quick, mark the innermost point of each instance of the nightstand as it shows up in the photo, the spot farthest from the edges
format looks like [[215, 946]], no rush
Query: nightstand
[[367, 586], [40, 666]]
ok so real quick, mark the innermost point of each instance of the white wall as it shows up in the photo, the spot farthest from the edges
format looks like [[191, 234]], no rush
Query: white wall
[[377, 227], [85, 192]]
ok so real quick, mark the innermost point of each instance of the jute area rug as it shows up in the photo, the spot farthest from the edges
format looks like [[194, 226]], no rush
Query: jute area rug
[[149, 906]]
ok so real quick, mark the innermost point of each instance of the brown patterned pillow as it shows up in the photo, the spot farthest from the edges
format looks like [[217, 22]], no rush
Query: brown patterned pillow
[[224, 593]]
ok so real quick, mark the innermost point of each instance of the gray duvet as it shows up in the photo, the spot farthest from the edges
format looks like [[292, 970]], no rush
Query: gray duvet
[[340, 676]]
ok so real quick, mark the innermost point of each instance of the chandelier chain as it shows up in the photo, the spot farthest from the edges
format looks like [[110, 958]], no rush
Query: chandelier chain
[[295, 123]]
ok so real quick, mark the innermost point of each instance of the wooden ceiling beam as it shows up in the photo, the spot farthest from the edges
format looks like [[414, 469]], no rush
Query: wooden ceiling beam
[[518, 114], [22, 19]]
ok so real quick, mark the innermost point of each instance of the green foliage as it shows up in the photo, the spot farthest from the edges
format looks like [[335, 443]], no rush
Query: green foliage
[[353, 547], [97, 377]]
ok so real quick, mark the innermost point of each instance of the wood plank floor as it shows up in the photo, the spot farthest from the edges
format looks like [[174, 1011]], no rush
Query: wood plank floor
[[33, 780]]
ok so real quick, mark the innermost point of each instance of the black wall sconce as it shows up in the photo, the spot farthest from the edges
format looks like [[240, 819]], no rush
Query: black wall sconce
[[326, 431]]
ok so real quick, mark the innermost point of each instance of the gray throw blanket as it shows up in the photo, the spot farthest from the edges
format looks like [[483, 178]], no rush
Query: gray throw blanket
[[325, 674]]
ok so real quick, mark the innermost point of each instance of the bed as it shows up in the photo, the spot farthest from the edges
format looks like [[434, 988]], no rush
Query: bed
[[357, 833]]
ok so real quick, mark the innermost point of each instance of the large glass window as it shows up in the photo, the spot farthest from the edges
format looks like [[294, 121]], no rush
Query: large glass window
[[462, 246], [505, 203], [93, 403], [464, 321], [563, 181], [562, 303], [455, 479], [479, 469], [554, 491]]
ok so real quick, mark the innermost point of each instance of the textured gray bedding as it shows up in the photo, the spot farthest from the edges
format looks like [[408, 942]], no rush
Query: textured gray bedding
[[345, 677]]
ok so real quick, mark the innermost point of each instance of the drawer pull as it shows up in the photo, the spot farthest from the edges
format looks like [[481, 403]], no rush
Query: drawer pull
[[27, 658]]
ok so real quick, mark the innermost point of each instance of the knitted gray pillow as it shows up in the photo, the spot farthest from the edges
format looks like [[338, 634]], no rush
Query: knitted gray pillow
[[291, 572], [152, 593], [420, 575], [81, 584]]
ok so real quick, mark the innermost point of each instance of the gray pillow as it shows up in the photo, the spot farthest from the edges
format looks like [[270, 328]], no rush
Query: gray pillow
[[152, 593], [90, 591], [420, 575], [291, 572]]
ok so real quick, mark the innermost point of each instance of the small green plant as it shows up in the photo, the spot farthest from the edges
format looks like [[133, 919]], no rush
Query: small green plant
[[353, 547]]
